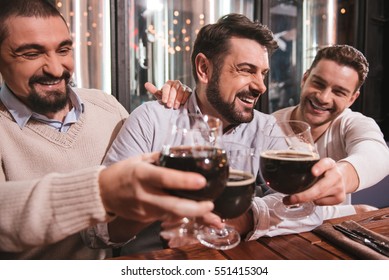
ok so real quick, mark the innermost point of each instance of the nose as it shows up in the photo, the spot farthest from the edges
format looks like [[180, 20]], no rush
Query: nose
[[325, 95], [53, 66], [258, 84]]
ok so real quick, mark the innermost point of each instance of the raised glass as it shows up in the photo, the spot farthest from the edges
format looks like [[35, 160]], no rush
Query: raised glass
[[194, 145], [286, 167]]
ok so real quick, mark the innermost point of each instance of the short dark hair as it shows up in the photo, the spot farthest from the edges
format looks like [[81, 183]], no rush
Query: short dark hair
[[213, 39], [24, 8], [345, 55]]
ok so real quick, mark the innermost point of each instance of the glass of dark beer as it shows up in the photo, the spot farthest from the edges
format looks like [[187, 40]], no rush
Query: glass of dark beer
[[286, 166], [194, 145], [235, 200]]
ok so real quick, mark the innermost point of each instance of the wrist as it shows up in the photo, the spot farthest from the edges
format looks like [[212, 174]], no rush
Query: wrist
[[109, 213], [350, 175]]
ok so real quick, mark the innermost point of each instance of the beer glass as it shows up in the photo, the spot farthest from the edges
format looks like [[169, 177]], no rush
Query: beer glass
[[194, 144], [235, 200], [286, 166]]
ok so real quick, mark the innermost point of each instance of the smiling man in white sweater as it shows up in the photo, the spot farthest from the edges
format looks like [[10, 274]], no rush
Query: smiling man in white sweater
[[328, 88]]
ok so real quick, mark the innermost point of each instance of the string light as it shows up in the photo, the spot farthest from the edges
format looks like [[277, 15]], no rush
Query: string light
[[88, 24]]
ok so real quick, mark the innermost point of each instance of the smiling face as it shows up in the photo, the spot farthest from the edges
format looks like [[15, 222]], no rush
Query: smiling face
[[326, 91], [234, 87], [36, 61]]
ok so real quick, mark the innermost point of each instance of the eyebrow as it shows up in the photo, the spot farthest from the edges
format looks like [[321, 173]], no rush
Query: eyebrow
[[39, 47], [247, 64], [250, 65]]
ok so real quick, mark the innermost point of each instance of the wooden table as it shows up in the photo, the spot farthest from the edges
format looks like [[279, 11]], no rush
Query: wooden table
[[303, 246]]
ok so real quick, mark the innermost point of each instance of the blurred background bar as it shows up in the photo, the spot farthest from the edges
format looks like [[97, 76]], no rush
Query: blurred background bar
[[90, 25]]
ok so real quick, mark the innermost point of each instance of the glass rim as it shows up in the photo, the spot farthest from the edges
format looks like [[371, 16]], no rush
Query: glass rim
[[307, 128]]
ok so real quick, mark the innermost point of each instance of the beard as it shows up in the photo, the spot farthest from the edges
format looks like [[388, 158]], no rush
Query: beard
[[48, 101], [228, 110]]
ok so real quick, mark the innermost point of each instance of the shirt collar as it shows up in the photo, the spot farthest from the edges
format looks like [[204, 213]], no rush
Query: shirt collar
[[21, 113], [192, 106]]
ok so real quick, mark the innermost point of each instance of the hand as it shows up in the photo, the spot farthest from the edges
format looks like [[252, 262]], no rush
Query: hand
[[135, 190], [329, 189], [173, 93]]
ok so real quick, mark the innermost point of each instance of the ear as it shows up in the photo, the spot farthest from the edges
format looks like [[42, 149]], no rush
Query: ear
[[202, 68], [353, 98]]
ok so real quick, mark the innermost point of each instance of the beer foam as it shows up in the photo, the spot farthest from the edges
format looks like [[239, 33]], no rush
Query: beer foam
[[245, 178], [290, 155]]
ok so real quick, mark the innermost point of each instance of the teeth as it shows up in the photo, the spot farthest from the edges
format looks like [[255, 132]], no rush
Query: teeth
[[248, 100], [318, 107], [50, 82]]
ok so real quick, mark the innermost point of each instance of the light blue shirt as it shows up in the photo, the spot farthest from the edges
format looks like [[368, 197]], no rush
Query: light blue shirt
[[21, 113]]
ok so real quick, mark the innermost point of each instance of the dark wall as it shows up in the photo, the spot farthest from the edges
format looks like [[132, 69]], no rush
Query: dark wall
[[376, 195], [374, 100], [373, 28], [385, 89]]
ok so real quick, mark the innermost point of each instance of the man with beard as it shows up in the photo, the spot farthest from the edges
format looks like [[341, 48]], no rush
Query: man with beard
[[230, 61], [53, 140]]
